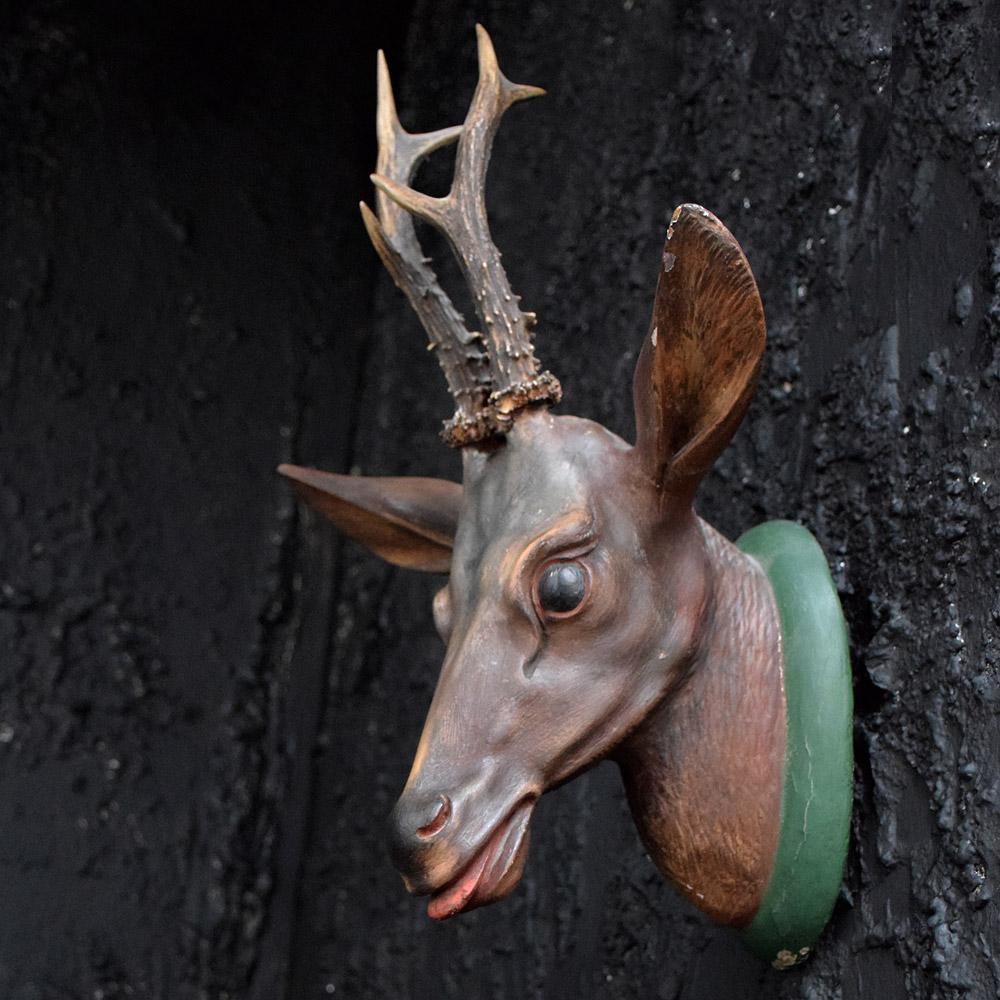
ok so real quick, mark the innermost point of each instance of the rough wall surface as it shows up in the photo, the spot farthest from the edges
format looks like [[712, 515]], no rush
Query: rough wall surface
[[208, 704], [181, 311]]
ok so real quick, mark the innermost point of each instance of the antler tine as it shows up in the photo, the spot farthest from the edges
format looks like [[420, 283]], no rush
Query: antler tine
[[494, 95], [461, 353], [399, 151], [461, 217]]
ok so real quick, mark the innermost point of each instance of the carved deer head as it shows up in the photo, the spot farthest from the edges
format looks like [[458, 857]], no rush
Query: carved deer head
[[588, 611]]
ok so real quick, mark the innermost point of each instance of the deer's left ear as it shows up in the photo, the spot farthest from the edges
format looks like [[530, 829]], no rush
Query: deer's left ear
[[406, 520], [698, 366]]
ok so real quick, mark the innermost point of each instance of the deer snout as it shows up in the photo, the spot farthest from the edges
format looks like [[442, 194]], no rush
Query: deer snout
[[417, 822]]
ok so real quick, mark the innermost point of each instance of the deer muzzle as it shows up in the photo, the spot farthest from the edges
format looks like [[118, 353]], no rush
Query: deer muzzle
[[457, 848]]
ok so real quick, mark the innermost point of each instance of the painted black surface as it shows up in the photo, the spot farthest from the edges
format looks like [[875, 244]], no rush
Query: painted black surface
[[208, 704]]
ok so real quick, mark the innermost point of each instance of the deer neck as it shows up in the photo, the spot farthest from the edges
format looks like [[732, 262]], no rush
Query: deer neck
[[704, 772]]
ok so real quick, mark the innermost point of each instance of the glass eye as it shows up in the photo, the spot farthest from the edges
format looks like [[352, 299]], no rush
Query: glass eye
[[562, 587]]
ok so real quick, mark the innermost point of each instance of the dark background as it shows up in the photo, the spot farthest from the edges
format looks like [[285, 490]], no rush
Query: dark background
[[208, 703]]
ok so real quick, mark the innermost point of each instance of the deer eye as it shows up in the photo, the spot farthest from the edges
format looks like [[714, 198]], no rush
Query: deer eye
[[562, 588]]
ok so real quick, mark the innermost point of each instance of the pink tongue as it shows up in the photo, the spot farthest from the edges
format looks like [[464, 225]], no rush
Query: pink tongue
[[450, 901]]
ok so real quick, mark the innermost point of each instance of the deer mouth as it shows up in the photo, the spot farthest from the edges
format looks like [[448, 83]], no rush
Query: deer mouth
[[493, 871]]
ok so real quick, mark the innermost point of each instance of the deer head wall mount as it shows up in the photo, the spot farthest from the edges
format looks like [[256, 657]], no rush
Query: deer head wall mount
[[589, 612]]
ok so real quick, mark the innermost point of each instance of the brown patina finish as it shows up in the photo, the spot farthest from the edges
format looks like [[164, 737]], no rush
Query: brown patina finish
[[658, 646]]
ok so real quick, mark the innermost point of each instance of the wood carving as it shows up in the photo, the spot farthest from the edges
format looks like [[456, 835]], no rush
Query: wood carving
[[589, 612]]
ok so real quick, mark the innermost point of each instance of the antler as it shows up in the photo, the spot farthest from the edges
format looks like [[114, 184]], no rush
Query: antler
[[494, 374], [393, 236]]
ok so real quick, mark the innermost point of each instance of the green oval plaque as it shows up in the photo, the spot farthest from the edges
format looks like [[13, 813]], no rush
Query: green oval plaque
[[818, 787]]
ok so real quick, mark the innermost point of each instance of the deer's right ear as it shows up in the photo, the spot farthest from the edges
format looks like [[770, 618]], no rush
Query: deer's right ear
[[407, 520], [698, 366]]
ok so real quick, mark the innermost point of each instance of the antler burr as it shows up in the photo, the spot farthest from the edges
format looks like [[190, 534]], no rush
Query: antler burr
[[493, 374]]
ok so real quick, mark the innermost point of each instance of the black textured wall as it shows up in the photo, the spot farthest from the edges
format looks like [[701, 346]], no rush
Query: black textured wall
[[208, 703]]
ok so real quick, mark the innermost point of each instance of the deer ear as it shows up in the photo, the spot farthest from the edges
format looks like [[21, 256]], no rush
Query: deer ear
[[698, 366], [406, 520]]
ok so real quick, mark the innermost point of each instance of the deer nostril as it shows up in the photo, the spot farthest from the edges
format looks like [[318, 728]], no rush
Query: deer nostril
[[437, 823]]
